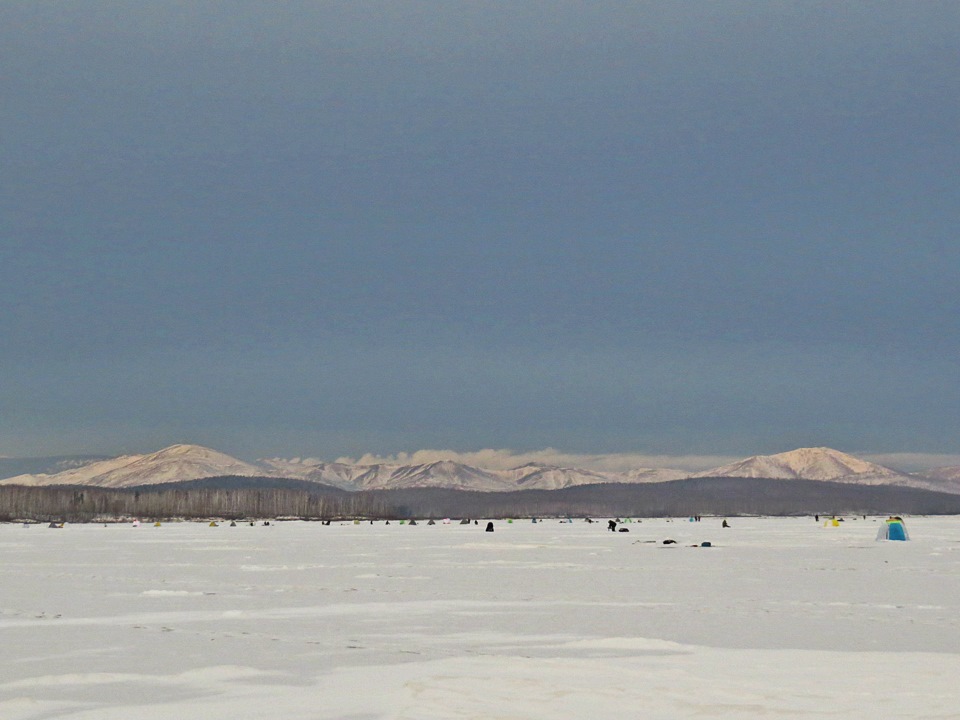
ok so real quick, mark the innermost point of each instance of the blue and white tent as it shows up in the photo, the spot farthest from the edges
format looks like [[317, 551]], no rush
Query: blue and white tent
[[893, 529]]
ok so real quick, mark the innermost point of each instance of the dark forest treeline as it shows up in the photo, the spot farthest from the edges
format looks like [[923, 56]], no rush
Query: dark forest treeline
[[238, 498], [87, 504]]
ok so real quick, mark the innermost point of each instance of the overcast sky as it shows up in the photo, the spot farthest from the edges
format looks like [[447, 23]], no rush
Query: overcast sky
[[337, 228]]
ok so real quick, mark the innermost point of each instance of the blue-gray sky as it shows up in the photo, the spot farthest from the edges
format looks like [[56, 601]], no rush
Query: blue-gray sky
[[332, 228]]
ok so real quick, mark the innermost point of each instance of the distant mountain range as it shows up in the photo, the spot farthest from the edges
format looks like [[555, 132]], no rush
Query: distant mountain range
[[180, 463]]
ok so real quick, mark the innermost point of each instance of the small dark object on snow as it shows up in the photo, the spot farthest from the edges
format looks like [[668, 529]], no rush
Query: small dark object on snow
[[624, 530], [612, 525], [233, 523], [432, 522], [669, 542], [726, 524], [412, 522], [489, 527], [706, 544], [465, 521]]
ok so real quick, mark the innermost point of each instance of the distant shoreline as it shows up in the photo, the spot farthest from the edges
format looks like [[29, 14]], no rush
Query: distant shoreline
[[244, 498]]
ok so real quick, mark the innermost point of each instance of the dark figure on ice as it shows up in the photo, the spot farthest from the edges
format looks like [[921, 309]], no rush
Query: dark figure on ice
[[612, 525], [726, 524], [489, 527]]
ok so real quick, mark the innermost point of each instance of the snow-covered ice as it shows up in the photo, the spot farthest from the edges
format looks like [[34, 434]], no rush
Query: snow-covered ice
[[781, 618]]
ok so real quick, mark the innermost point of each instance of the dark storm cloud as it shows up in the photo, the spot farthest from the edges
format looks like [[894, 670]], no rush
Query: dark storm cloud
[[337, 227]]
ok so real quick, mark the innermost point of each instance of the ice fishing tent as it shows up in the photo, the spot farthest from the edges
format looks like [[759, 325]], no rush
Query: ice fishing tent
[[893, 529]]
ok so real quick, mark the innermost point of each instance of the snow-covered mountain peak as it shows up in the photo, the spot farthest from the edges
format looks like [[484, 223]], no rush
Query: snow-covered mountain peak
[[817, 463], [171, 464], [194, 453]]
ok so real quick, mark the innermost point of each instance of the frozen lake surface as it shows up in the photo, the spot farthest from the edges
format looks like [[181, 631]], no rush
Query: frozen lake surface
[[781, 618]]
